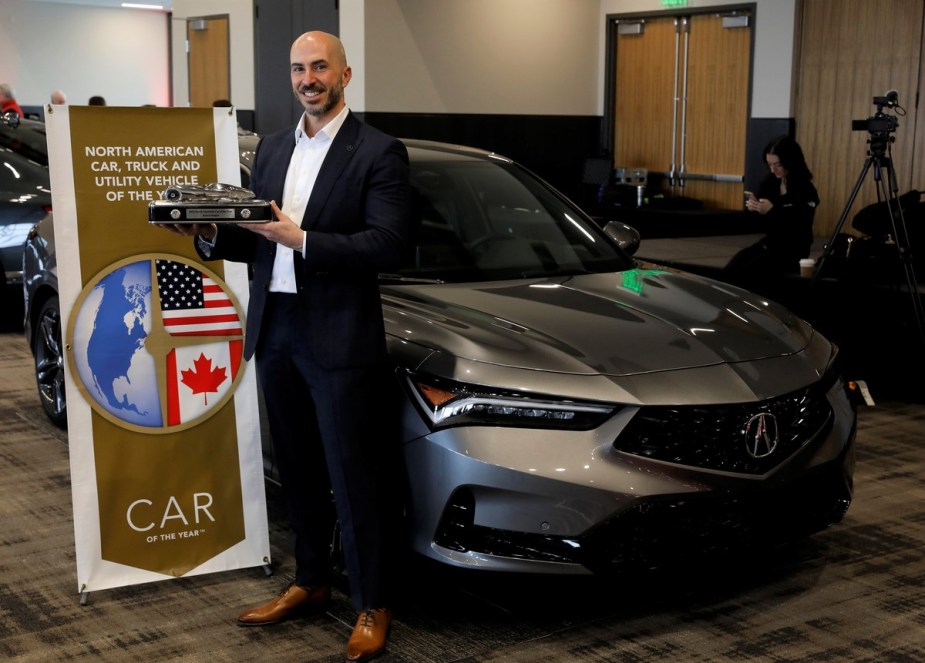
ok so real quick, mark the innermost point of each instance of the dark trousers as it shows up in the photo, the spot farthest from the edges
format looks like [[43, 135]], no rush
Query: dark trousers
[[331, 435]]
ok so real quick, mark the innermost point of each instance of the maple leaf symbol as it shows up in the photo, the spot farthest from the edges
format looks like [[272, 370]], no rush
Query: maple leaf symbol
[[203, 378]]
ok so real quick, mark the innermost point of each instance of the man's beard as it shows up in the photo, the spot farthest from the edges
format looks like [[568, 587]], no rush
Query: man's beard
[[335, 93]]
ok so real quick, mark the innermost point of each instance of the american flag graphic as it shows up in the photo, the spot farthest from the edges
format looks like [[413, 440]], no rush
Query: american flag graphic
[[192, 304]]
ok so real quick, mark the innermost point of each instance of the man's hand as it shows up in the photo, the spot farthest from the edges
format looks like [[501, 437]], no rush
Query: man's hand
[[205, 230], [282, 231]]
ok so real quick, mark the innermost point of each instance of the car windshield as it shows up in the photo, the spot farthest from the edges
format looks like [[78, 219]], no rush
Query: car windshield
[[481, 220], [27, 140]]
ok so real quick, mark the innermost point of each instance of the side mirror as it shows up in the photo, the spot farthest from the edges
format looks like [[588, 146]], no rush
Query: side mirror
[[626, 237]]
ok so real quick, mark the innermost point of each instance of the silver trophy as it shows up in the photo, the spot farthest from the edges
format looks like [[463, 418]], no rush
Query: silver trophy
[[209, 203]]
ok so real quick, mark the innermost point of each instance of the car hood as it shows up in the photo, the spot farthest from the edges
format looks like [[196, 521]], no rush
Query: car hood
[[618, 324]]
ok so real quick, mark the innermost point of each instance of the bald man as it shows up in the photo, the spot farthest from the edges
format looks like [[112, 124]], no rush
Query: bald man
[[340, 195]]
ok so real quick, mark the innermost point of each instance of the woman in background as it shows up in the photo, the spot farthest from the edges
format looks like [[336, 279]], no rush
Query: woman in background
[[787, 197]]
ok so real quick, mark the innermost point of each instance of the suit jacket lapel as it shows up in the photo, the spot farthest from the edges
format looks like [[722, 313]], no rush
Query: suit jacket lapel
[[342, 149], [274, 171]]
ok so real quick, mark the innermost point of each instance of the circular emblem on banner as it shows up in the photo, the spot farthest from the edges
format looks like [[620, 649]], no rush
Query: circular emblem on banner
[[156, 343]]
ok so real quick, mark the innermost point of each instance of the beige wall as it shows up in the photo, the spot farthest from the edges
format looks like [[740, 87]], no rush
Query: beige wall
[[117, 53], [533, 57], [543, 57]]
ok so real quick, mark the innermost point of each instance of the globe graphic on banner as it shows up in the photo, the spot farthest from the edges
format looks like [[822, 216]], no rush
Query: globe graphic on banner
[[156, 343]]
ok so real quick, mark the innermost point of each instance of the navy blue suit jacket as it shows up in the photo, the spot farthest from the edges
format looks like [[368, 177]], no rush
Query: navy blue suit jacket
[[357, 220]]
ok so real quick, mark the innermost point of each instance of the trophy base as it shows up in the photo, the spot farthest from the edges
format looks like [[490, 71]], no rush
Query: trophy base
[[174, 212]]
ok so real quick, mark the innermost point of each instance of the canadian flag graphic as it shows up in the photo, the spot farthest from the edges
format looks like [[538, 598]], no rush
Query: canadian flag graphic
[[199, 377]]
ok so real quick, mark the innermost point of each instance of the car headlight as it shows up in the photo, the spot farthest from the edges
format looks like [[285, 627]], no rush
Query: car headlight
[[448, 403]]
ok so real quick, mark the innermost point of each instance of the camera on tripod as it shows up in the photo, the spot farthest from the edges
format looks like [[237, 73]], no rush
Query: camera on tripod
[[880, 125]]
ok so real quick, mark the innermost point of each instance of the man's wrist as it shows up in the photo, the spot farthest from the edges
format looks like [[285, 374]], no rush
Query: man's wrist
[[206, 244]]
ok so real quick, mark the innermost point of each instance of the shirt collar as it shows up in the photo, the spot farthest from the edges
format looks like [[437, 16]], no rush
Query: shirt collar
[[330, 129]]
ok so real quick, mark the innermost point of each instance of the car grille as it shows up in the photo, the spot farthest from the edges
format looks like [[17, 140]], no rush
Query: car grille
[[714, 437]]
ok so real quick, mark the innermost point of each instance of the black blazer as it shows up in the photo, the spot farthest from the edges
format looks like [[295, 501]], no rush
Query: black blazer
[[357, 221], [790, 221]]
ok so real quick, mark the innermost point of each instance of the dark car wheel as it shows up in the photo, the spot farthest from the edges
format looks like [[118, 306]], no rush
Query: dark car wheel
[[49, 363]]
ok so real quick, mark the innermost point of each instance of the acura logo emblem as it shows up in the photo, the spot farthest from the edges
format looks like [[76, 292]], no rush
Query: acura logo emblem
[[761, 435]]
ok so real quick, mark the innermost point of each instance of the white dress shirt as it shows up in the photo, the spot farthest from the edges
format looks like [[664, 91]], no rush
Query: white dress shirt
[[303, 170]]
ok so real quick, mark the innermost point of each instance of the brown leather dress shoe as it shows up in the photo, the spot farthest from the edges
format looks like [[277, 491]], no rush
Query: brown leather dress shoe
[[290, 601], [369, 634]]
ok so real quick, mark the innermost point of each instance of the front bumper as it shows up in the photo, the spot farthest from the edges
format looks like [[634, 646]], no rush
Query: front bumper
[[568, 502]]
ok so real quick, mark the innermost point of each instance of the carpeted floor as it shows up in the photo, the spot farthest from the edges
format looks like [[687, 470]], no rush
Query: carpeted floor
[[855, 592]]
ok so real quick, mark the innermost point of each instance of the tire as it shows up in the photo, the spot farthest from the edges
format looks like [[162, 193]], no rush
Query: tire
[[49, 362]]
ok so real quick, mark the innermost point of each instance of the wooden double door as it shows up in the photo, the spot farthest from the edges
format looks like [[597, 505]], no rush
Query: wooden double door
[[681, 107]]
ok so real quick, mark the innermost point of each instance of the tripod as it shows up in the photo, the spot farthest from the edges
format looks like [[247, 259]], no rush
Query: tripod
[[879, 157]]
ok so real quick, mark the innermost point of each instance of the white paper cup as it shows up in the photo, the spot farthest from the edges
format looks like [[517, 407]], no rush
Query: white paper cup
[[807, 265]]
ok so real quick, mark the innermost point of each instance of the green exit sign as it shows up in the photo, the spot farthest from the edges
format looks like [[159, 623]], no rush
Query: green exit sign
[[674, 3]]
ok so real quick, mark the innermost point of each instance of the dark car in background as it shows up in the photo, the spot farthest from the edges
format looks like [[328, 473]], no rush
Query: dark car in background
[[25, 198], [566, 408]]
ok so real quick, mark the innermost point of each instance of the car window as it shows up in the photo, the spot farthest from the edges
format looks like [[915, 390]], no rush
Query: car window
[[484, 220], [23, 163], [28, 141]]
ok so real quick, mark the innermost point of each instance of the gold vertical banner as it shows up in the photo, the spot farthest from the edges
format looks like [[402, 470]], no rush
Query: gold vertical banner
[[166, 466]]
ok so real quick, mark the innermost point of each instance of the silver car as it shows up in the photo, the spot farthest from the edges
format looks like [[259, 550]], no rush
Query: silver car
[[566, 408]]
